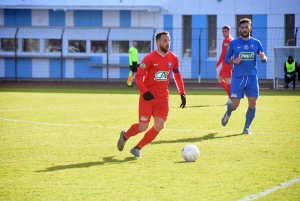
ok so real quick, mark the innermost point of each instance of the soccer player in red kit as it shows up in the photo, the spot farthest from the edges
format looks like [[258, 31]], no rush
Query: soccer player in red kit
[[225, 73], [152, 79]]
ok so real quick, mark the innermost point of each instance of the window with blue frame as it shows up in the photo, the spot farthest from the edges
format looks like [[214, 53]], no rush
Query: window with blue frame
[[98, 46], [144, 46], [187, 35], [52, 45], [120, 46], [77, 46], [212, 35], [289, 26], [9, 44], [30, 45]]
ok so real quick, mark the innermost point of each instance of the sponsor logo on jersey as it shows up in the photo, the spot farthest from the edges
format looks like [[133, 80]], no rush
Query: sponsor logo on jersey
[[142, 65], [247, 55], [169, 64], [144, 118], [226, 44], [156, 64], [246, 47], [161, 75], [233, 96]]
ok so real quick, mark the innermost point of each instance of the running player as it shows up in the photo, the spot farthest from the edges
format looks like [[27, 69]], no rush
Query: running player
[[152, 79], [244, 50], [224, 77]]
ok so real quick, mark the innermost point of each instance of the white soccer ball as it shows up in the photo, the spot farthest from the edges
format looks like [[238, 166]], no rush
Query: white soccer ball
[[190, 153]]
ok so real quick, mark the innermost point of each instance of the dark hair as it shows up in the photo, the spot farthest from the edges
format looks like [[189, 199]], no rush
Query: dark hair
[[245, 20], [226, 27], [159, 34]]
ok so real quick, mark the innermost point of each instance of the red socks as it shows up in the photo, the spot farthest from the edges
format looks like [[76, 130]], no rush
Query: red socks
[[226, 87], [149, 136], [228, 90], [132, 131]]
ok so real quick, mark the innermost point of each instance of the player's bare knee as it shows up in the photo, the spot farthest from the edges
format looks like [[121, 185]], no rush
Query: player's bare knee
[[143, 127], [159, 127]]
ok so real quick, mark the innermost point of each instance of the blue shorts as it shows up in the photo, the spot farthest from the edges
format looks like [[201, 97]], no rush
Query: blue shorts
[[244, 85]]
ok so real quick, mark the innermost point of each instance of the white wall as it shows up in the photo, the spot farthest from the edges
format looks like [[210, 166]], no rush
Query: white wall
[[40, 18], [142, 19], [111, 18], [69, 18]]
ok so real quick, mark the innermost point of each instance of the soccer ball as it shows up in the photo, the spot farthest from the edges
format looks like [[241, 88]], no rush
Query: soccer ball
[[190, 153]]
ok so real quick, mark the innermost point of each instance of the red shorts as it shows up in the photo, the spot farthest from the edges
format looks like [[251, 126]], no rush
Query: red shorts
[[226, 72], [153, 108]]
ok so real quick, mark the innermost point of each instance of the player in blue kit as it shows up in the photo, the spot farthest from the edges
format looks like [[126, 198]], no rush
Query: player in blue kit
[[244, 50]]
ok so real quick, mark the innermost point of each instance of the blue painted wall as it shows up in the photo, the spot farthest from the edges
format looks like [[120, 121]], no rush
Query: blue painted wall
[[125, 18], [168, 26], [55, 68], [82, 69], [199, 47], [57, 18], [259, 31], [24, 68], [84, 18], [96, 18], [17, 17], [124, 72], [9, 68]]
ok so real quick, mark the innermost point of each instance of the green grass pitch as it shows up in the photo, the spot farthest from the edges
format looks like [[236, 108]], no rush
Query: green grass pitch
[[60, 144]]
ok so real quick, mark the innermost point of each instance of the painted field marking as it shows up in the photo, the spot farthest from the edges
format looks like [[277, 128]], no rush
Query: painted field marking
[[271, 190], [114, 127]]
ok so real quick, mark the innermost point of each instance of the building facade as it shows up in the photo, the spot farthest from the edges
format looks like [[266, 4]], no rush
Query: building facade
[[90, 39]]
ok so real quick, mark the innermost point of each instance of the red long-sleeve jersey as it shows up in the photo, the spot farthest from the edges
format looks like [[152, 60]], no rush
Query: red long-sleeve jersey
[[154, 75], [225, 45]]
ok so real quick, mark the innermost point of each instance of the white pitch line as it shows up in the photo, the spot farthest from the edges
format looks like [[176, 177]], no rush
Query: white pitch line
[[114, 127], [49, 124], [271, 190]]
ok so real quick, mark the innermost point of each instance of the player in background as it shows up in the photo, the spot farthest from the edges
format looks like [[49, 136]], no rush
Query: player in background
[[133, 62], [152, 79], [242, 53], [224, 77]]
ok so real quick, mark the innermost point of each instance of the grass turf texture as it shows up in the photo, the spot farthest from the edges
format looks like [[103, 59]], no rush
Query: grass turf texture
[[60, 144]]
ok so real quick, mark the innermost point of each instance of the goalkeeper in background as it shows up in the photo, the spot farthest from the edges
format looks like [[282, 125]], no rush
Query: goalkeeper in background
[[244, 50], [152, 79], [290, 69]]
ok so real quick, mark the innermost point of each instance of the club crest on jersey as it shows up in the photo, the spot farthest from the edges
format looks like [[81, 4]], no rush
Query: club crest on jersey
[[142, 65], [252, 46], [247, 55], [144, 118], [161, 75], [169, 64]]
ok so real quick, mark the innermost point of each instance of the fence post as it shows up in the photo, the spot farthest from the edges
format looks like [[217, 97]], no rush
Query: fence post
[[296, 37], [16, 49], [61, 57], [199, 70]]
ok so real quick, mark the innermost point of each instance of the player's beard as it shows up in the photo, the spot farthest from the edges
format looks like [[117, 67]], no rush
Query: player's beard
[[245, 35], [165, 50]]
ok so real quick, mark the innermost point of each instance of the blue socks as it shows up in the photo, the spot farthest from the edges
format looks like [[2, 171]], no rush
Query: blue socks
[[229, 109], [249, 116]]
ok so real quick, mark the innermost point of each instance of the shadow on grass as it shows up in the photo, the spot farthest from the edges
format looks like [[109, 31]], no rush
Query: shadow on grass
[[209, 136], [110, 159]]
